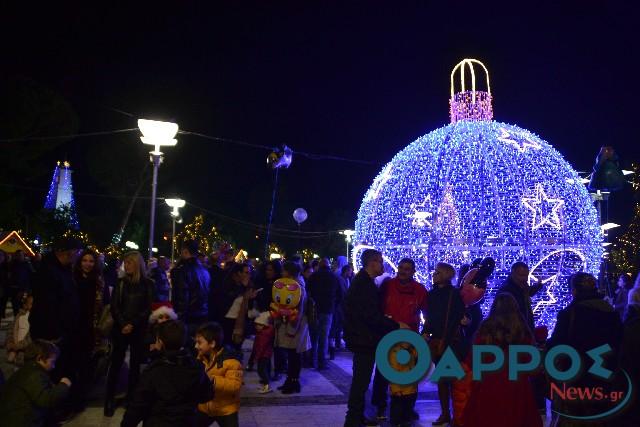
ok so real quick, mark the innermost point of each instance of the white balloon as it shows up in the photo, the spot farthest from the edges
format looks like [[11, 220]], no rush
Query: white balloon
[[300, 215]]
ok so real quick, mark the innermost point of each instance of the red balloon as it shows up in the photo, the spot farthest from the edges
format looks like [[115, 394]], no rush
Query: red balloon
[[470, 292]]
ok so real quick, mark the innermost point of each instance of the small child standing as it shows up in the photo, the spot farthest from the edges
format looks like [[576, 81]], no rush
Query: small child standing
[[263, 348], [18, 337], [222, 366], [29, 395]]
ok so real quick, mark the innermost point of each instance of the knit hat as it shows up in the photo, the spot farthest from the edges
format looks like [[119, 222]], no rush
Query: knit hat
[[264, 318], [162, 308]]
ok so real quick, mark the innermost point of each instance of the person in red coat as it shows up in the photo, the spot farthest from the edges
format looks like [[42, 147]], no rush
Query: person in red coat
[[263, 349], [494, 400], [402, 299]]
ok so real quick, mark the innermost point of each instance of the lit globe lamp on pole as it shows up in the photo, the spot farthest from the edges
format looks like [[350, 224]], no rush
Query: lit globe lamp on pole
[[175, 205], [159, 134], [348, 234]]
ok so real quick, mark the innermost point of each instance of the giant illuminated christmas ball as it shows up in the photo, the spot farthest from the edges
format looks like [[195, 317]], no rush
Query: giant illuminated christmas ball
[[477, 188]]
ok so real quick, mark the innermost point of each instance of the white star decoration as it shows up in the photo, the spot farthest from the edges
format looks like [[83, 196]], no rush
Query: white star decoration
[[420, 217], [545, 210], [520, 146], [381, 180]]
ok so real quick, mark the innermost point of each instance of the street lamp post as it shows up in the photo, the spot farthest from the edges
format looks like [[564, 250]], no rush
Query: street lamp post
[[347, 237], [158, 134], [175, 204]]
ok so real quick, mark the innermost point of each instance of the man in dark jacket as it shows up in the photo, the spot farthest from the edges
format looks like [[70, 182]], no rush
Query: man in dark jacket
[[171, 386], [325, 289], [365, 325], [588, 322], [517, 284], [191, 288], [54, 316], [159, 276]]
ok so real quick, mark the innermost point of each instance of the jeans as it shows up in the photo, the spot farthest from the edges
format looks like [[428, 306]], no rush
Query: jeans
[[264, 370], [203, 420], [320, 339], [363, 363], [379, 392]]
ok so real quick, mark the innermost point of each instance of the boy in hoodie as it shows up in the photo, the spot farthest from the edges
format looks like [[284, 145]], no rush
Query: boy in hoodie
[[263, 348], [224, 369], [29, 395], [171, 386]]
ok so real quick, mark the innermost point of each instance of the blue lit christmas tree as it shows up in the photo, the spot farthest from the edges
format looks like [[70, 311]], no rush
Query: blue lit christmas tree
[[476, 188], [60, 195]]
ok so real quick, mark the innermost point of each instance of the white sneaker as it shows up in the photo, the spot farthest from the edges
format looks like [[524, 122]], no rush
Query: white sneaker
[[264, 389]]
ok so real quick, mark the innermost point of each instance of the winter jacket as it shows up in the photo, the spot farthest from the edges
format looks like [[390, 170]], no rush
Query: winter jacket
[[93, 296], [404, 302], [131, 303], [620, 301], [161, 284], [190, 296], [224, 370], [28, 396], [494, 401], [20, 273], [364, 322], [324, 287], [263, 345], [55, 301], [588, 322], [437, 314], [294, 334], [169, 391], [522, 297]]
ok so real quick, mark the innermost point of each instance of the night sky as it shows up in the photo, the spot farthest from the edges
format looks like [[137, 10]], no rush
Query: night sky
[[359, 81]]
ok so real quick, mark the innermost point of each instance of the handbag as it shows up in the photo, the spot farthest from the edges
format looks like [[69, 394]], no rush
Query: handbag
[[437, 346], [105, 323]]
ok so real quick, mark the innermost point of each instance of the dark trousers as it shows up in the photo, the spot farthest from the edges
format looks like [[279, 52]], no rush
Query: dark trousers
[[320, 338], [280, 360], [203, 420], [228, 325], [264, 370], [363, 363], [135, 342], [379, 392], [294, 360], [402, 408], [13, 295]]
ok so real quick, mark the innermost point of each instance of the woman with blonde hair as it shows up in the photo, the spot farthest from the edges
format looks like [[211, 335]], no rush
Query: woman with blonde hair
[[130, 308]]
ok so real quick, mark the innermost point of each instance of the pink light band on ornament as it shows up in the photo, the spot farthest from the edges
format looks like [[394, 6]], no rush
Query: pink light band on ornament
[[471, 105]]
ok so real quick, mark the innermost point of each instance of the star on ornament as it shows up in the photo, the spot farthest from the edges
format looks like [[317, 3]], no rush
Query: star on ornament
[[420, 218], [545, 210], [380, 180], [521, 146]]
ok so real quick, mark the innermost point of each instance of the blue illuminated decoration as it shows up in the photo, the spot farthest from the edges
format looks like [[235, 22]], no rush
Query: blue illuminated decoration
[[60, 195], [477, 188]]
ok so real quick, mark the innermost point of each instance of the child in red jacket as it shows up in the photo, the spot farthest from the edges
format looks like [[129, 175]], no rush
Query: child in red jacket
[[263, 348]]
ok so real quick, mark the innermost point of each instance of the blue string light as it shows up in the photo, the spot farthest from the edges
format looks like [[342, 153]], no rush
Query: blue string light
[[476, 188]]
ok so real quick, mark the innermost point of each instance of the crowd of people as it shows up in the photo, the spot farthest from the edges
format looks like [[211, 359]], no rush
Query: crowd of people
[[76, 318], [589, 321]]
